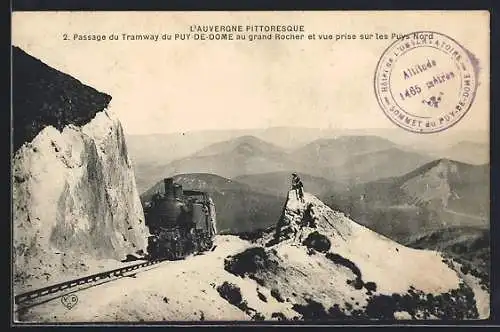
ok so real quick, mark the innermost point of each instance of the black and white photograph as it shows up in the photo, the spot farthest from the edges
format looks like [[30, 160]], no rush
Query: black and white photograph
[[250, 166]]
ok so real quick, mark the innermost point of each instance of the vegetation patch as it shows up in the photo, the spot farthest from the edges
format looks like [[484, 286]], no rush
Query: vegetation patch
[[250, 263], [312, 310], [277, 295], [357, 283], [317, 241], [340, 260], [468, 268], [258, 316], [261, 296], [232, 294], [371, 286], [454, 305], [278, 315]]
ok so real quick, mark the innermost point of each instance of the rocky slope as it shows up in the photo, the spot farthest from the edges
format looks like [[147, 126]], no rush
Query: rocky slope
[[440, 194], [468, 245], [316, 265], [360, 273], [75, 203]]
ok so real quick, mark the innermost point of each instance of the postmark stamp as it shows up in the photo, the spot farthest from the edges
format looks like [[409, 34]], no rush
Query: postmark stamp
[[425, 82]]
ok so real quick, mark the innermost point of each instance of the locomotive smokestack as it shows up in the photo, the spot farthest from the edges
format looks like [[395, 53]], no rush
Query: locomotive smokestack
[[169, 187], [178, 192]]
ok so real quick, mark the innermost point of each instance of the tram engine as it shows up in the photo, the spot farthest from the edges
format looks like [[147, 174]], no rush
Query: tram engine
[[181, 222]]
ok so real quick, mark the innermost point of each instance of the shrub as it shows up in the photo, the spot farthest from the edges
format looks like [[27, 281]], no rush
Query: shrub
[[258, 316], [371, 286], [336, 313], [337, 259], [276, 294], [261, 296], [311, 311], [358, 283], [249, 261], [230, 292], [278, 315], [457, 304], [318, 242], [465, 269]]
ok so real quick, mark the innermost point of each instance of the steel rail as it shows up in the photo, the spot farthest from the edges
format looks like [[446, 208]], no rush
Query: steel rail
[[37, 293]]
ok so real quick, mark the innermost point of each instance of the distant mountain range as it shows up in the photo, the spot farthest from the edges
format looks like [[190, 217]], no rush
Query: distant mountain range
[[345, 159], [241, 156], [151, 153], [183, 144], [338, 150], [376, 164], [439, 194]]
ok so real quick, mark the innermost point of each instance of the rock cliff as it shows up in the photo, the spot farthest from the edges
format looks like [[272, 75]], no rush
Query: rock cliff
[[75, 203]]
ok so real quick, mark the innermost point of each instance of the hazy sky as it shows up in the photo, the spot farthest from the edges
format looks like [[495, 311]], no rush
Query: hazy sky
[[174, 86]]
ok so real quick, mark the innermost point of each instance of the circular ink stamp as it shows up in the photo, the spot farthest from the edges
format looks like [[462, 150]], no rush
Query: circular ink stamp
[[425, 82]]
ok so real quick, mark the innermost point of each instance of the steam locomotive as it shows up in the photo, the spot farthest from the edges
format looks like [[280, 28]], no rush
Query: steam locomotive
[[181, 222]]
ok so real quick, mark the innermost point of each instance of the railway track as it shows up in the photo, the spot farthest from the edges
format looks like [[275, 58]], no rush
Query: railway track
[[31, 296]]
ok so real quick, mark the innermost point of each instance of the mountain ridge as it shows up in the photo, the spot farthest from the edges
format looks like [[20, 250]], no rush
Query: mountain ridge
[[248, 155], [440, 193]]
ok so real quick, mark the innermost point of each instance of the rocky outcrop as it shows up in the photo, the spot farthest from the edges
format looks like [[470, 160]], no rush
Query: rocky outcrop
[[75, 202], [330, 267]]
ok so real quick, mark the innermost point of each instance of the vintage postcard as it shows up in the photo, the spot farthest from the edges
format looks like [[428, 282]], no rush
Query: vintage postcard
[[250, 166]]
